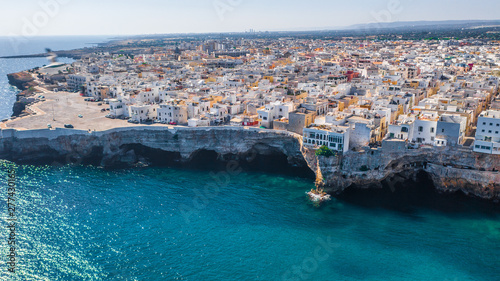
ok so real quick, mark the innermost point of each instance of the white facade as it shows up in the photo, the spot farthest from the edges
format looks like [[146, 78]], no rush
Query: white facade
[[425, 129], [336, 137], [273, 111], [173, 113], [76, 81], [117, 108], [488, 133], [142, 113], [198, 122]]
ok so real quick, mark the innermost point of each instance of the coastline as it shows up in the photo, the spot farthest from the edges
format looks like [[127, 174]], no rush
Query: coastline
[[477, 174], [451, 169], [118, 145]]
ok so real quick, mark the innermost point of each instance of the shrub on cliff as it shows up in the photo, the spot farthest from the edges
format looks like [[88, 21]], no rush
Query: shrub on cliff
[[325, 151]]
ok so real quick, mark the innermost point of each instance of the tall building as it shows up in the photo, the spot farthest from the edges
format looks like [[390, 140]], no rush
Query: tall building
[[488, 132]]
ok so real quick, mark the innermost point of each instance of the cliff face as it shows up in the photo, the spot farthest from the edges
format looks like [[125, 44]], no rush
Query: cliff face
[[157, 146], [451, 169]]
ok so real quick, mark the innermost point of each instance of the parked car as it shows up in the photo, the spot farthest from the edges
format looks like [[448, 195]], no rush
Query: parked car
[[68, 126], [99, 104], [49, 126], [80, 116], [110, 116]]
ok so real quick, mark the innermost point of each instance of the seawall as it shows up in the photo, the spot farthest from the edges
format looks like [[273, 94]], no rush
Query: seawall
[[451, 169]]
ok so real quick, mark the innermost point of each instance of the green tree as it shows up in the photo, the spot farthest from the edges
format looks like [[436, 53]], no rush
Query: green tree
[[325, 151]]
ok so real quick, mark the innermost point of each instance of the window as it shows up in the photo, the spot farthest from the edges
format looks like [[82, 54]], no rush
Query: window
[[420, 129], [432, 130], [442, 131]]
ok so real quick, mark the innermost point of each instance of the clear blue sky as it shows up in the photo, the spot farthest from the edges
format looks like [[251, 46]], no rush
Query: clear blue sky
[[106, 17]]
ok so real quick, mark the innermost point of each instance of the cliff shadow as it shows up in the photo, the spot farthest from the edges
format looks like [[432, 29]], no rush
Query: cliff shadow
[[274, 162], [410, 195]]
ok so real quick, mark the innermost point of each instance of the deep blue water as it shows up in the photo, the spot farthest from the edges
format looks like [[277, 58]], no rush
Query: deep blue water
[[86, 223], [35, 45]]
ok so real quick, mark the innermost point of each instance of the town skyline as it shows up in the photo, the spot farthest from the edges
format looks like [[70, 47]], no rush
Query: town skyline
[[51, 17]]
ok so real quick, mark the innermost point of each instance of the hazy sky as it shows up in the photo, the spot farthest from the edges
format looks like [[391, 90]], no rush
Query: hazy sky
[[105, 17]]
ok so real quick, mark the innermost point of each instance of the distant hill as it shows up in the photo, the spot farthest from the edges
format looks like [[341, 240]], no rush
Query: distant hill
[[423, 24]]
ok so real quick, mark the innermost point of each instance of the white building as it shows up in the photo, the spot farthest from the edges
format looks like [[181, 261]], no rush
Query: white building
[[488, 132], [334, 137], [425, 128], [173, 112], [117, 108], [195, 122], [75, 82], [273, 111], [142, 113], [148, 96], [402, 129]]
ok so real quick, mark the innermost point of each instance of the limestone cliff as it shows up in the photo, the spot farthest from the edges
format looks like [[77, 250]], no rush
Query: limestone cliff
[[152, 145], [451, 169]]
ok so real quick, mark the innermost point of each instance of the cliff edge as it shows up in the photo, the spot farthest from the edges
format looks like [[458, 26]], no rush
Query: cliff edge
[[450, 168]]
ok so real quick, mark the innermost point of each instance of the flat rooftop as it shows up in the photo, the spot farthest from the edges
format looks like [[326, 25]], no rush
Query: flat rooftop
[[490, 114]]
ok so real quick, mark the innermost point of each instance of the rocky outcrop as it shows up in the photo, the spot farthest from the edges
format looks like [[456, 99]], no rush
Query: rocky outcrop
[[21, 80], [24, 82], [450, 169]]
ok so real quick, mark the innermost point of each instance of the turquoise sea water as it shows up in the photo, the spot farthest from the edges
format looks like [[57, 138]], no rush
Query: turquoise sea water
[[86, 223]]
